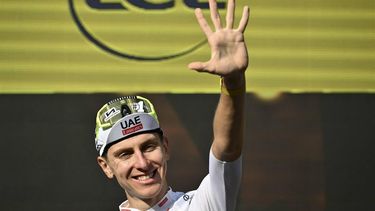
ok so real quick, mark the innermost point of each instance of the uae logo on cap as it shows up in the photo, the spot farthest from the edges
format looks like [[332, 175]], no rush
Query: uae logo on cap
[[131, 125]]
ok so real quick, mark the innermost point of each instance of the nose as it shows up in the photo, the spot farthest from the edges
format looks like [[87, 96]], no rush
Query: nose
[[141, 162]]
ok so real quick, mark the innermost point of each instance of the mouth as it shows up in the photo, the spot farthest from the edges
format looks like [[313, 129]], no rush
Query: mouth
[[145, 178]]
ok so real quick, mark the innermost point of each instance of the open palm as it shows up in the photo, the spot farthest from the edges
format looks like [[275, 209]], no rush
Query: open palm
[[228, 49]]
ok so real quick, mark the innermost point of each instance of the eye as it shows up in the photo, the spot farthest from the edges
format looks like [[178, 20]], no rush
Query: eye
[[124, 155], [150, 147]]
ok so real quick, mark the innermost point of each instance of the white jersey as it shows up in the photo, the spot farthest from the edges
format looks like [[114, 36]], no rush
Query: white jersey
[[217, 192]]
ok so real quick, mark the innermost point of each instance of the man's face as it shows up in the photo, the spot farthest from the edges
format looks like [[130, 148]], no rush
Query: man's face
[[139, 164]]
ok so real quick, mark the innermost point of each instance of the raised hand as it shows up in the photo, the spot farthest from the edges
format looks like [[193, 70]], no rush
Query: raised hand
[[229, 56]]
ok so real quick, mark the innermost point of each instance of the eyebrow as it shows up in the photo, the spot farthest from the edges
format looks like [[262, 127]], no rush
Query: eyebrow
[[121, 150], [150, 141]]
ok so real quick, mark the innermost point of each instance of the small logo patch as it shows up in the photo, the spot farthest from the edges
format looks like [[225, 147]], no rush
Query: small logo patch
[[132, 129], [110, 113]]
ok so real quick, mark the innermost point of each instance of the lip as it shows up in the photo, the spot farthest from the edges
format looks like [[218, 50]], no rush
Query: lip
[[152, 178]]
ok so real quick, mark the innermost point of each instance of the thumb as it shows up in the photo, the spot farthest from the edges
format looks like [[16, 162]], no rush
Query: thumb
[[198, 66]]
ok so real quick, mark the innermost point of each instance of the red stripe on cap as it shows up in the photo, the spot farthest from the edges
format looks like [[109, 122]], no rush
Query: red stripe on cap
[[163, 202], [132, 129]]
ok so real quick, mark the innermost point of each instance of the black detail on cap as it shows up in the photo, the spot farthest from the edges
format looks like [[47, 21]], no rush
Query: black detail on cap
[[121, 98], [125, 110]]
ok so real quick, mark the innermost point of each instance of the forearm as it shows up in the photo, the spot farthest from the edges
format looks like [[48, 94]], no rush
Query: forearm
[[229, 121], [229, 58]]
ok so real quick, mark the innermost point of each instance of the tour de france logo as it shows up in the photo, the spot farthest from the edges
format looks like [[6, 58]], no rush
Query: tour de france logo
[[143, 30]]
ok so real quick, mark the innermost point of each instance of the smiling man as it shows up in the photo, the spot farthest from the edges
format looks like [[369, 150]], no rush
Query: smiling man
[[133, 150]]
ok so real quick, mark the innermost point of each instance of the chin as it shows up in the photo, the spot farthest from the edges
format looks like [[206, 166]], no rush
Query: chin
[[151, 192], [155, 191]]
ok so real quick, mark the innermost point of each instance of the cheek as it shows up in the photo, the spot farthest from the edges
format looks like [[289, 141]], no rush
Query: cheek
[[122, 169], [158, 157], [162, 157]]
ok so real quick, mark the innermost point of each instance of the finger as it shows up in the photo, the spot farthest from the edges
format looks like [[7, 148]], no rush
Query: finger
[[215, 17], [244, 19], [230, 14], [202, 22], [198, 66]]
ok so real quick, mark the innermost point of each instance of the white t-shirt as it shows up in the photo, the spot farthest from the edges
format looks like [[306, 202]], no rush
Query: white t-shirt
[[217, 191]]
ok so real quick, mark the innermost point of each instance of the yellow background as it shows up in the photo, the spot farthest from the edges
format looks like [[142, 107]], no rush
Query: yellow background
[[294, 45]]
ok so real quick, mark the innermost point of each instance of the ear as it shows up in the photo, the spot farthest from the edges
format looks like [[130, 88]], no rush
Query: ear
[[103, 163], [166, 147]]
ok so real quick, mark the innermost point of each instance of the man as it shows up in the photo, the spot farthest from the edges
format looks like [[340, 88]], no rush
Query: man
[[133, 149]]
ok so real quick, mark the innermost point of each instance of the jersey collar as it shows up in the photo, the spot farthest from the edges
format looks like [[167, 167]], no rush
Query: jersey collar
[[164, 204]]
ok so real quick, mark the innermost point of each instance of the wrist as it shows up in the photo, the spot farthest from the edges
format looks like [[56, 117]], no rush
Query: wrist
[[234, 85], [234, 81]]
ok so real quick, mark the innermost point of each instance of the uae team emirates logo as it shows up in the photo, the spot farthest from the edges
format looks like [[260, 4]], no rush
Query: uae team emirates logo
[[146, 30], [131, 125]]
